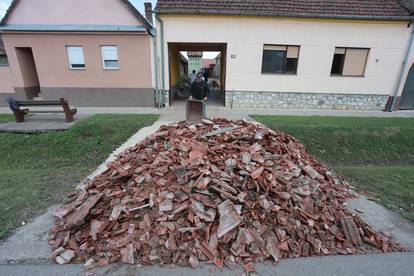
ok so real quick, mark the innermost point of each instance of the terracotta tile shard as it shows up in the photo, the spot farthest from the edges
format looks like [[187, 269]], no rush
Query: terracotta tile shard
[[80, 214], [229, 219], [311, 172], [65, 257], [256, 173], [64, 211], [116, 212], [166, 206], [351, 230], [193, 261], [230, 262], [127, 254], [96, 228], [195, 157], [246, 158], [272, 249]]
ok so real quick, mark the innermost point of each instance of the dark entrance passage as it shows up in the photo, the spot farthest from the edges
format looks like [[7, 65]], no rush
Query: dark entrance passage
[[28, 70], [218, 87], [407, 97]]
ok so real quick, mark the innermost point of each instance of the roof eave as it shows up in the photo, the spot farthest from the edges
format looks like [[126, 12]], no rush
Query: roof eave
[[314, 16]]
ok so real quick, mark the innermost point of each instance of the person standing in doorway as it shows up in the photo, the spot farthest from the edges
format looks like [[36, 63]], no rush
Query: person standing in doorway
[[199, 89], [205, 75], [193, 76]]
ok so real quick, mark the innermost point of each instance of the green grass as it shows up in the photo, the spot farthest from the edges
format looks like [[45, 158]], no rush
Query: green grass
[[376, 154], [37, 170], [5, 118]]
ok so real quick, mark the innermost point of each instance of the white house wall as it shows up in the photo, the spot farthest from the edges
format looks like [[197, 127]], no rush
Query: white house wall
[[245, 37]]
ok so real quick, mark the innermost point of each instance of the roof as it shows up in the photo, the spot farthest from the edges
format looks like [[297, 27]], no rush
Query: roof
[[2, 50], [146, 24], [207, 62], [341, 9]]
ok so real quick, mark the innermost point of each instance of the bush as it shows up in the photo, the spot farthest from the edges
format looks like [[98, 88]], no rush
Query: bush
[[182, 89]]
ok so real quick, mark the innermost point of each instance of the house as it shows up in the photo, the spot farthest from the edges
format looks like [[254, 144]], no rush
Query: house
[[195, 61], [91, 52], [316, 54]]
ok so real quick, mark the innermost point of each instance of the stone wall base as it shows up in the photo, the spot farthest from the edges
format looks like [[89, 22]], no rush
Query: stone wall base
[[288, 100]]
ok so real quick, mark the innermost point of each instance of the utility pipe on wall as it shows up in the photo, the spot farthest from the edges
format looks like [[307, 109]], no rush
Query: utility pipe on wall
[[402, 70], [162, 56]]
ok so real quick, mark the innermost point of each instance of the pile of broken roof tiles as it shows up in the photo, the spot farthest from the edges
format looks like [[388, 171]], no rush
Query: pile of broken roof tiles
[[227, 192]]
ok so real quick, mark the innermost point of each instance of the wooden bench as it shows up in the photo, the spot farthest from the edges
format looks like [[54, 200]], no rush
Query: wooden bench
[[19, 110]]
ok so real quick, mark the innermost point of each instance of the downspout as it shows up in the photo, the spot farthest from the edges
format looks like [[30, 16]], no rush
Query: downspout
[[162, 55], [157, 81], [402, 69]]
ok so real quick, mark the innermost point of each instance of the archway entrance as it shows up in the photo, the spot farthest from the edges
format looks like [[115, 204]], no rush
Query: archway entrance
[[179, 70], [407, 97]]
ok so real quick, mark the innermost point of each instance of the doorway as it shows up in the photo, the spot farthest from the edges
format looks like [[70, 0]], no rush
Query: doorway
[[28, 72], [407, 97], [186, 56]]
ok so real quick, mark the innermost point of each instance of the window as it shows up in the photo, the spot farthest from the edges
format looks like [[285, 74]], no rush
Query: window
[[75, 57], [280, 59], [349, 62], [110, 57], [3, 60]]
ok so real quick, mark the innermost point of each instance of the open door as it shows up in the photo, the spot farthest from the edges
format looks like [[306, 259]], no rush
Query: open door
[[407, 97], [28, 72]]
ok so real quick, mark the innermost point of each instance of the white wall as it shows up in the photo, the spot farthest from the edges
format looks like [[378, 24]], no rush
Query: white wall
[[245, 37]]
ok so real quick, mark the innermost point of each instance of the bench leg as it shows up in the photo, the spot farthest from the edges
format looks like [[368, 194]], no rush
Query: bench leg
[[68, 112], [19, 116]]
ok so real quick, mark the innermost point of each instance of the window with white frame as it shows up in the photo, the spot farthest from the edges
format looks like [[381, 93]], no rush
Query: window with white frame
[[110, 57], [349, 62], [75, 57]]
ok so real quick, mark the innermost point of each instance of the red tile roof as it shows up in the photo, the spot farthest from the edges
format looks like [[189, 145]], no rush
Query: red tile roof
[[208, 61], [366, 9]]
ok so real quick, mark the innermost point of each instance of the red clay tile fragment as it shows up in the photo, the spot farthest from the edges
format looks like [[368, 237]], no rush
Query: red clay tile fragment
[[193, 261], [229, 219], [127, 254], [80, 214], [256, 174]]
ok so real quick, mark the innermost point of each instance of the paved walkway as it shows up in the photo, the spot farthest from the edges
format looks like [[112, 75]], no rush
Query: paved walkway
[[27, 251], [177, 112], [39, 123]]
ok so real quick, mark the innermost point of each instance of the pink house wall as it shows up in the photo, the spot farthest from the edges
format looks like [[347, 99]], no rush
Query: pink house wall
[[105, 12], [6, 80], [49, 51]]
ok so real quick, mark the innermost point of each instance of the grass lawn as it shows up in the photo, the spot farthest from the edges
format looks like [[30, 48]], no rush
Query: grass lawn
[[5, 118], [37, 170], [375, 154]]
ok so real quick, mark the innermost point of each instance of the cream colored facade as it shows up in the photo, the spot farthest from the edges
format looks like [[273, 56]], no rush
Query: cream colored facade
[[246, 36]]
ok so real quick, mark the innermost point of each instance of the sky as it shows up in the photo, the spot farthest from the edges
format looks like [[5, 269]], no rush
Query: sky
[[139, 4]]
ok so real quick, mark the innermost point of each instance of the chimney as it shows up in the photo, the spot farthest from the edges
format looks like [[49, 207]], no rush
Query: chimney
[[148, 11]]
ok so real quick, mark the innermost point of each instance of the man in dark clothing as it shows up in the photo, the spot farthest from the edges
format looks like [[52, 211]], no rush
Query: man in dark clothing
[[199, 89]]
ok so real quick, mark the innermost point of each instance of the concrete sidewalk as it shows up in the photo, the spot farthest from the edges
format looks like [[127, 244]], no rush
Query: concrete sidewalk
[[177, 112], [400, 264]]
